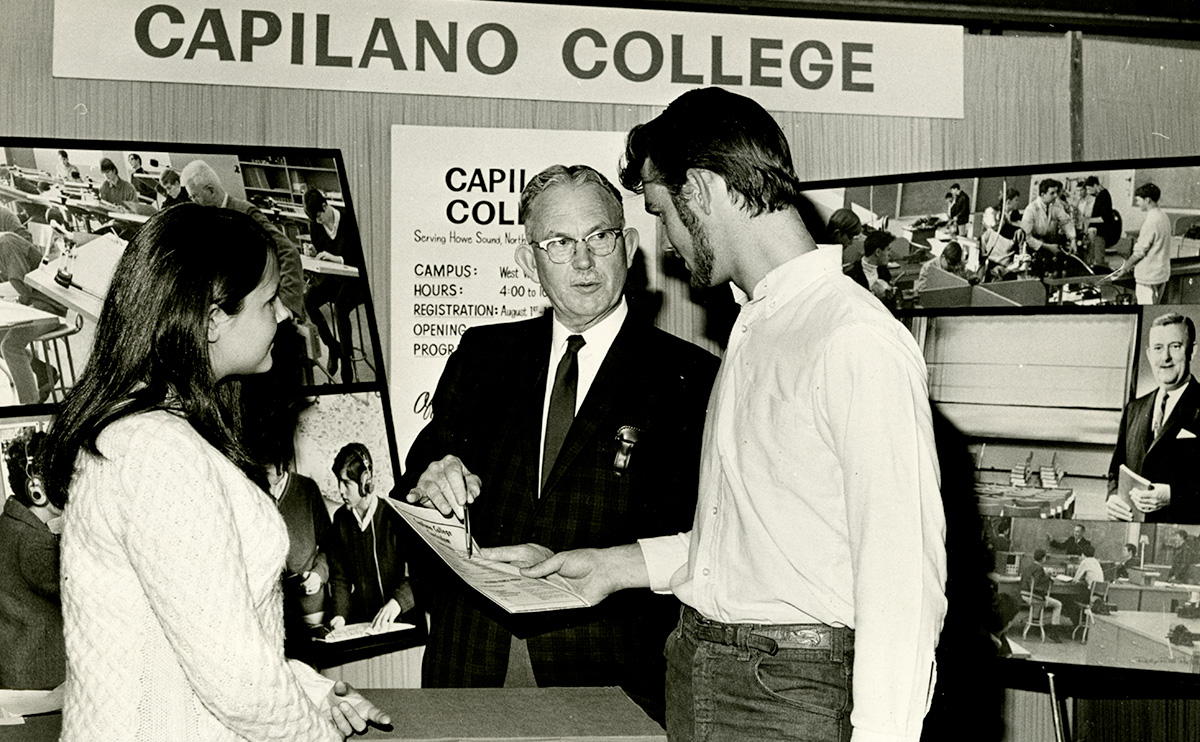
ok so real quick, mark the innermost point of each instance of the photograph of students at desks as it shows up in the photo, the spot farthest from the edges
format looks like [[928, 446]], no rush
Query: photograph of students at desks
[[887, 265], [60, 203], [350, 575], [1110, 594], [1100, 235]]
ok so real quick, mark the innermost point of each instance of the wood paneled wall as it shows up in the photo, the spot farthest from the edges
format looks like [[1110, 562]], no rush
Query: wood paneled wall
[[1016, 112], [1140, 99], [1017, 93]]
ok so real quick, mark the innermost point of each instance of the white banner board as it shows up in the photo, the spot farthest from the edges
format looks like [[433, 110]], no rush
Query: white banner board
[[517, 50], [455, 193]]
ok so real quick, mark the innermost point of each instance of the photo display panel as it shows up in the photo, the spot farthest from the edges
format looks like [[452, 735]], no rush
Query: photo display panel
[[64, 226], [1048, 367], [80, 224]]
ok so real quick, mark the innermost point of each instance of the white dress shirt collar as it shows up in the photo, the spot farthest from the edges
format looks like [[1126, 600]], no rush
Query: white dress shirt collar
[[332, 229], [365, 520], [1172, 400], [597, 340], [790, 278]]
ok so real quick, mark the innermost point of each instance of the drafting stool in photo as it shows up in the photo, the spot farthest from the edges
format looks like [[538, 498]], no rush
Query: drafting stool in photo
[[1087, 619], [58, 342], [1037, 614]]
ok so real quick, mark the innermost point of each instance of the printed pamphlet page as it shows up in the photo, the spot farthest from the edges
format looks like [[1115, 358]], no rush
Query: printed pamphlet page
[[500, 582], [1126, 481], [359, 630]]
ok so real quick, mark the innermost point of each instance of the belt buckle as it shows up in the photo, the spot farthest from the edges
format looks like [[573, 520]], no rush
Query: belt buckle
[[806, 638]]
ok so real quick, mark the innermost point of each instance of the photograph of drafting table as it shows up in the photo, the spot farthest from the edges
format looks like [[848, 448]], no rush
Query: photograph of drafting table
[[1038, 397], [1048, 402], [1078, 234], [1099, 594], [67, 208]]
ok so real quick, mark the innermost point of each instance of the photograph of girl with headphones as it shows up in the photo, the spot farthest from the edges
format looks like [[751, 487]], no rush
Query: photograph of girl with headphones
[[364, 546], [32, 656]]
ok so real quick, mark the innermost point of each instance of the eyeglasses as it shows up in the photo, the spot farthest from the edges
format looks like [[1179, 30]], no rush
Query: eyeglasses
[[562, 249]]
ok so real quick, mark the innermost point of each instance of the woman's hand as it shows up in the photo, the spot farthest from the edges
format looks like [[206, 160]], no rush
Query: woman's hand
[[352, 713]]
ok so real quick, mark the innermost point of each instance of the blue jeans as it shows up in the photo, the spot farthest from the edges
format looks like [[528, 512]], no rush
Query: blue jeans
[[724, 682]]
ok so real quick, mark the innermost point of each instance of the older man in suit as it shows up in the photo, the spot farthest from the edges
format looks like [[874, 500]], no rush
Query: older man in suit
[[1158, 434], [579, 428]]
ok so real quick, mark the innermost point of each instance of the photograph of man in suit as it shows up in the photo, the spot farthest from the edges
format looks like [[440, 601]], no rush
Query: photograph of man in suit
[[1157, 437], [1072, 544], [580, 428], [960, 210]]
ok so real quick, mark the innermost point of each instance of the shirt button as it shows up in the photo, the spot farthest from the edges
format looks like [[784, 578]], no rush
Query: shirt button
[[705, 571], [714, 511]]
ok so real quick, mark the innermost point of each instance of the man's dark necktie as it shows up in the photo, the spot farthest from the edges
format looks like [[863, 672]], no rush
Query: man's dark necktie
[[562, 404]]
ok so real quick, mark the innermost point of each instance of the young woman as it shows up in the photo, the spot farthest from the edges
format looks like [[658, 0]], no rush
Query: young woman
[[171, 551]]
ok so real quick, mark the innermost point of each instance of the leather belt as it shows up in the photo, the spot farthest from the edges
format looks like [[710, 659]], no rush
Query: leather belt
[[765, 638]]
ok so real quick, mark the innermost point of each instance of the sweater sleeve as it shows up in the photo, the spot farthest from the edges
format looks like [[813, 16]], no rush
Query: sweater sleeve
[[184, 546]]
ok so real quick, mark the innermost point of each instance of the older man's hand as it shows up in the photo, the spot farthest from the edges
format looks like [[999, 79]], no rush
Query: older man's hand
[[446, 485]]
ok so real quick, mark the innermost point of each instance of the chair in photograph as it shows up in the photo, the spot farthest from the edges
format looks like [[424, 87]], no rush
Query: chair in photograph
[[359, 352], [1037, 613], [1087, 619], [43, 236], [58, 343]]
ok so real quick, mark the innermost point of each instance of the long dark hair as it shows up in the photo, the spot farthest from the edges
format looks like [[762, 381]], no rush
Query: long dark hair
[[151, 348]]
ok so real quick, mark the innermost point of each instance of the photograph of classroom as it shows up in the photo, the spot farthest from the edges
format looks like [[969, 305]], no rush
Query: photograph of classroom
[[1062, 236], [325, 461], [66, 213], [1098, 593], [1062, 411]]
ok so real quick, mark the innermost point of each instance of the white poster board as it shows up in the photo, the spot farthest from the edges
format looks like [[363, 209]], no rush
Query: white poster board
[[455, 194], [518, 50]]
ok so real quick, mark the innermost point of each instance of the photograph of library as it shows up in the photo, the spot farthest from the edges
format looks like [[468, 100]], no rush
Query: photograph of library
[[68, 208], [1124, 595], [1069, 235], [1091, 416]]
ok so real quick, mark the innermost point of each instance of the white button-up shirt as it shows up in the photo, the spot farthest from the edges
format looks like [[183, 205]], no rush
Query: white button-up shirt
[[597, 340], [819, 488]]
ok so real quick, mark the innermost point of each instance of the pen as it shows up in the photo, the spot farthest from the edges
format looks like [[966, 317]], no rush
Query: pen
[[467, 528]]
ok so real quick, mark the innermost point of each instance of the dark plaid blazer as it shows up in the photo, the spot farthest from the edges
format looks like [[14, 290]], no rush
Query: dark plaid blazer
[[1169, 459], [487, 411]]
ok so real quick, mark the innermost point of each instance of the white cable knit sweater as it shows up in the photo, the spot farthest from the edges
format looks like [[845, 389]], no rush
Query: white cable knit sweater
[[171, 563]]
